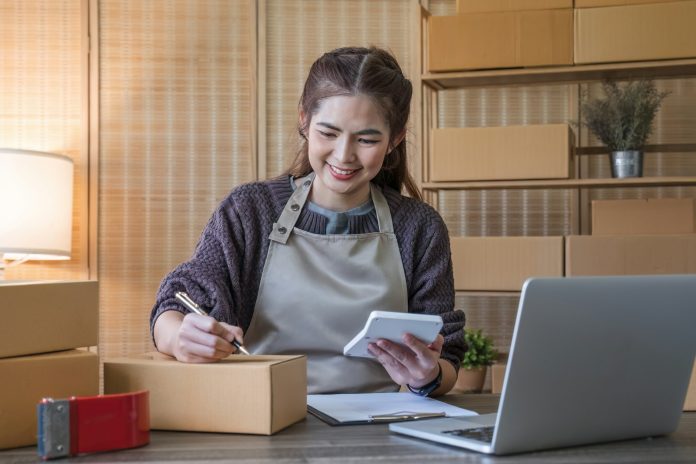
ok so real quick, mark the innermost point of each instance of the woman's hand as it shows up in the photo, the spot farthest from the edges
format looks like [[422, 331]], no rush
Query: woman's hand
[[414, 363], [194, 338]]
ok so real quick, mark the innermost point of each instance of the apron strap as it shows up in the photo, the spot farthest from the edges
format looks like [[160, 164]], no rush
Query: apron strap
[[291, 212], [384, 219]]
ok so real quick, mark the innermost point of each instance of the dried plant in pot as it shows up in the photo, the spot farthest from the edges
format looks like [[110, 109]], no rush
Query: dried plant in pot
[[623, 122], [479, 355]]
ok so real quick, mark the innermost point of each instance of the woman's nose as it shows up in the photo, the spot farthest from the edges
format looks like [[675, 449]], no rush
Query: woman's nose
[[345, 150]]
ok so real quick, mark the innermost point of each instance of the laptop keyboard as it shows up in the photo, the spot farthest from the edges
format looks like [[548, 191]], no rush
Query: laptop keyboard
[[484, 434]]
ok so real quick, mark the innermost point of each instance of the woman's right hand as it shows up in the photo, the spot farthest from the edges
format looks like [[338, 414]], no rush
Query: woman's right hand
[[194, 338]]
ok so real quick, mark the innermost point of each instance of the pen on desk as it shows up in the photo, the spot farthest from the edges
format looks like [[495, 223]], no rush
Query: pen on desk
[[193, 306]]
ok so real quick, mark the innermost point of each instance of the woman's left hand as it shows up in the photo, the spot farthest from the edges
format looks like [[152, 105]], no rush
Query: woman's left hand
[[412, 363]]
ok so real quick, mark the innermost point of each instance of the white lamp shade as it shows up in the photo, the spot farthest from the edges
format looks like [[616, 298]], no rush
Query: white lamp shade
[[36, 193]]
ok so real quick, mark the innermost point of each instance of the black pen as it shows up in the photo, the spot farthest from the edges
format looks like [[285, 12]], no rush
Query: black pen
[[193, 306]]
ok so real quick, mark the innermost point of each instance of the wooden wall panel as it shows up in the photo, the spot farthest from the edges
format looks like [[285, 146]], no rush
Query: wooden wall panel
[[176, 135], [297, 32]]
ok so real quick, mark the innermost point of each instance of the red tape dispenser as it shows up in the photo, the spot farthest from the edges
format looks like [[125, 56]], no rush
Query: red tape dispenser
[[80, 425]]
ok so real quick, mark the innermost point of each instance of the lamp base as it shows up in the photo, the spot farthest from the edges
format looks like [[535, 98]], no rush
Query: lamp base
[[4, 264]]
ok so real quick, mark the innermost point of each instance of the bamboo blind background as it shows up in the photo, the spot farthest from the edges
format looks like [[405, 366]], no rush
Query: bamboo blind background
[[43, 92], [175, 136], [298, 32]]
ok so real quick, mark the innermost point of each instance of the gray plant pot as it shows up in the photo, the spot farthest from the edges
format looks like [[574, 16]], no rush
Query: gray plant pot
[[626, 163]]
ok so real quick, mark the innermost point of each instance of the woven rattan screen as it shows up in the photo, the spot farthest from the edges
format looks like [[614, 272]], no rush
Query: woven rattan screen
[[297, 32], [176, 134], [43, 98]]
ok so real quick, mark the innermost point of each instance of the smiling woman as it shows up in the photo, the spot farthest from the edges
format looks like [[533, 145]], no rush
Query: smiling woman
[[295, 264]]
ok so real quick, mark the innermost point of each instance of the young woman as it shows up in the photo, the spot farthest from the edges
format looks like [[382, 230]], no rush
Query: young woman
[[296, 264]]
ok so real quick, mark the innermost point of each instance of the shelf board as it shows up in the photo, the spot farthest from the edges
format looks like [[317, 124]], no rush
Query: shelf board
[[563, 183], [661, 148], [561, 74]]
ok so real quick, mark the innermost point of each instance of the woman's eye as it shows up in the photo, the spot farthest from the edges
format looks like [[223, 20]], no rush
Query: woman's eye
[[326, 134], [368, 141]]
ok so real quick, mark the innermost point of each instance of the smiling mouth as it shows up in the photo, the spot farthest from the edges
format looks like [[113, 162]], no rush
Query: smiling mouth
[[341, 172]]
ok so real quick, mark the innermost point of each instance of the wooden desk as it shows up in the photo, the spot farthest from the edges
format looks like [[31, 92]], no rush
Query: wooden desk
[[312, 441]]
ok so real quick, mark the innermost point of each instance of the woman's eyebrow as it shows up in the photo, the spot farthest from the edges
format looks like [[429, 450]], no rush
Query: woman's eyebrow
[[360, 132]]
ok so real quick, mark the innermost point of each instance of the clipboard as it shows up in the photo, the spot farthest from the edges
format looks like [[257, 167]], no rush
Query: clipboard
[[378, 408]]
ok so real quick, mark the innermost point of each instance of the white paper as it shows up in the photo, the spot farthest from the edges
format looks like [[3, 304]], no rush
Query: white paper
[[359, 407]]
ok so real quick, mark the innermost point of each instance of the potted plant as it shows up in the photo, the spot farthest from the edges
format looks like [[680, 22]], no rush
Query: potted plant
[[479, 355], [623, 122]]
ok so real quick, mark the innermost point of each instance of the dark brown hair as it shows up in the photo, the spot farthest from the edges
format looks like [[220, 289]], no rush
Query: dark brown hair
[[374, 73]]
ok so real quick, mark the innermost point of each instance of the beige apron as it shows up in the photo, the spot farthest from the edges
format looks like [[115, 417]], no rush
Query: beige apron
[[317, 291]]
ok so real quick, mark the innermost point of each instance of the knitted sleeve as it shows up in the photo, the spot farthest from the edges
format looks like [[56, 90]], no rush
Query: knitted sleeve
[[211, 276], [427, 259]]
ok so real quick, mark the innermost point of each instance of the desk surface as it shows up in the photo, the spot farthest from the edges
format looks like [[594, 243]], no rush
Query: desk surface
[[312, 441]]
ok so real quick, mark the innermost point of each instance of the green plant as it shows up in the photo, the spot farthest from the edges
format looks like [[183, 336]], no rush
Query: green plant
[[480, 351], [623, 120]]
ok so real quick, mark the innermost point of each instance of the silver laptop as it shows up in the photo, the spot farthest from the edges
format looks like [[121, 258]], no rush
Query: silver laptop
[[593, 359]]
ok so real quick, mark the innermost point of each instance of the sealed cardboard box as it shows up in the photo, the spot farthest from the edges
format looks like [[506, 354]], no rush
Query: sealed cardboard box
[[28, 379], [690, 401], [597, 3], [643, 216], [501, 153], [630, 255], [489, 6], [504, 263], [500, 40], [605, 35], [59, 316], [240, 394]]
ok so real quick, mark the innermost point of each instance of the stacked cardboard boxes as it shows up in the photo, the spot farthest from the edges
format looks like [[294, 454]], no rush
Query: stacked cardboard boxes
[[502, 34], [42, 324], [635, 30], [541, 151], [504, 263]]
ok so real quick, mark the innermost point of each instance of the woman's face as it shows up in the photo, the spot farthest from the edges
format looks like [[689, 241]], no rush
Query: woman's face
[[347, 141]]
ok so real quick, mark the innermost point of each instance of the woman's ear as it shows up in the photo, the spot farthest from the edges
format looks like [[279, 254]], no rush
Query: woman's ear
[[304, 123]]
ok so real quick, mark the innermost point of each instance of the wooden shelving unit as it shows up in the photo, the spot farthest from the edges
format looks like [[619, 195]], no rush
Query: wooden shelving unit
[[564, 183], [583, 181], [558, 75]]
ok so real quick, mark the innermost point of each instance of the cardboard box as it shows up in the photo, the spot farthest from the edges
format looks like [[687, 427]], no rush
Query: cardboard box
[[599, 3], [690, 401], [643, 217], [635, 32], [240, 394], [497, 377], [500, 40], [490, 6], [504, 263], [630, 255], [498, 153], [58, 315], [28, 379]]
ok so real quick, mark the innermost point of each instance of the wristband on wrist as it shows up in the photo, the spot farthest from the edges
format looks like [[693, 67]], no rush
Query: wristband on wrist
[[428, 388]]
